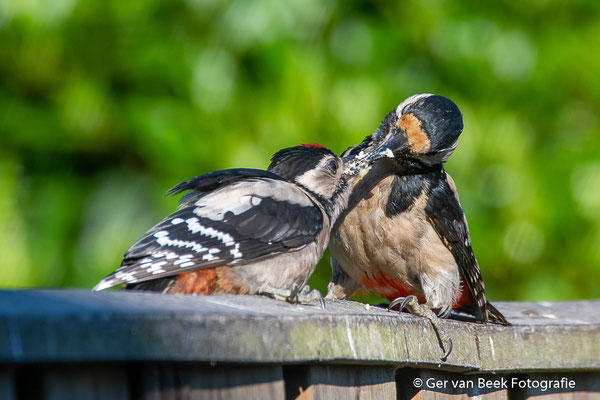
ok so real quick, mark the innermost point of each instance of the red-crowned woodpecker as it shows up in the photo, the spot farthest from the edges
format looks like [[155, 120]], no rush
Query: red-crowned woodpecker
[[247, 231], [405, 233]]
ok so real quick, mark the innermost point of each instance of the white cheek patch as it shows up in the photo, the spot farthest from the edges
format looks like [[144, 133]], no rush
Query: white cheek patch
[[318, 182]]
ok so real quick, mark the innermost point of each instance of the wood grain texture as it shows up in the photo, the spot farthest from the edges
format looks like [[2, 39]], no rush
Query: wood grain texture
[[74, 382], [7, 384], [339, 382], [172, 381], [424, 384], [558, 386]]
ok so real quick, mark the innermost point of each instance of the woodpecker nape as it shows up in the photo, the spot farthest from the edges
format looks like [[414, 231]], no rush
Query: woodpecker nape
[[247, 231], [404, 235]]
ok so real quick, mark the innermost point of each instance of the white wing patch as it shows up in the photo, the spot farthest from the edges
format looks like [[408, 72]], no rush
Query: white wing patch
[[216, 208], [240, 197]]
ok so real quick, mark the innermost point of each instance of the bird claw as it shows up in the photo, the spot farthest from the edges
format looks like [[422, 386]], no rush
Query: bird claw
[[306, 295], [448, 350], [411, 304], [296, 295], [404, 302], [293, 296]]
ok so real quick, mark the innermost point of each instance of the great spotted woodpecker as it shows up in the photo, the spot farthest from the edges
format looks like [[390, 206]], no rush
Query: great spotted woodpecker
[[404, 234], [247, 231]]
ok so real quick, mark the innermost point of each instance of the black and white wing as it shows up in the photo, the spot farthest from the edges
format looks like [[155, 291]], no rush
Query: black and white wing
[[444, 211], [232, 217], [216, 179]]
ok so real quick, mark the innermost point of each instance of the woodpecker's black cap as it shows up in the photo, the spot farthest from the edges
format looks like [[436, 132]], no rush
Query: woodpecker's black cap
[[292, 162], [436, 116]]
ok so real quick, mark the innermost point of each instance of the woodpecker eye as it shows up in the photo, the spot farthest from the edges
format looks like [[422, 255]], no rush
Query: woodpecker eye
[[332, 165]]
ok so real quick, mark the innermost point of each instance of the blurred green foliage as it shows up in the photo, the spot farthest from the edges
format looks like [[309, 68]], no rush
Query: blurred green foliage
[[106, 104]]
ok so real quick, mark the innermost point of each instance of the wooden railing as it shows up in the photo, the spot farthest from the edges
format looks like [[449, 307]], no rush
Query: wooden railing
[[125, 345]]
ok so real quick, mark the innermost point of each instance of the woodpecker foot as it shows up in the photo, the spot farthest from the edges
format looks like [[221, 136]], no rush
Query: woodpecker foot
[[307, 295], [296, 295], [411, 304]]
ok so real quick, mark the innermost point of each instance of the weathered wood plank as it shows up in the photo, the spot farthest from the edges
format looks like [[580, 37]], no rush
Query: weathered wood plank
[[7, 384], [339, 382], [171, 381], [72, 326], [435, 385], [86, 381]]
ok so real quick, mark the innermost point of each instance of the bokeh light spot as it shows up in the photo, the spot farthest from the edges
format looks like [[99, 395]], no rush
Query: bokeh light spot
[[13, 247], [523, 242], [214, 74], [512, 56], [463, 39], [356, 105], [585, 186], [351, 42], [42, 11], [499, 185]]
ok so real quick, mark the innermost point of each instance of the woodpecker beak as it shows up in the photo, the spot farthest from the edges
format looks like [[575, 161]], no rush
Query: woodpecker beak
[[359, 164]]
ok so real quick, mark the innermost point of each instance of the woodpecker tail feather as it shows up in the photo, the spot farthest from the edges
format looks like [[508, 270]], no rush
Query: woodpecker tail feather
[[161, 285], [495, 316]]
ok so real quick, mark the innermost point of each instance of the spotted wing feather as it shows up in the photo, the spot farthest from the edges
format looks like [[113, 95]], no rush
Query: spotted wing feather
[[241, 222], [444, 211]]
